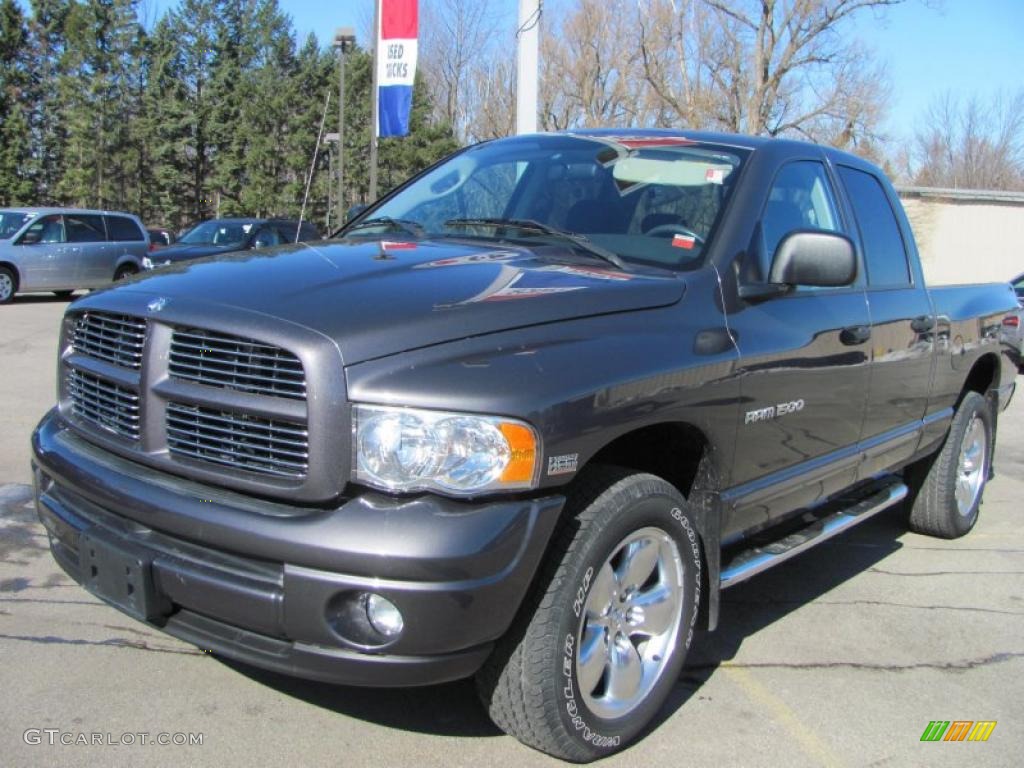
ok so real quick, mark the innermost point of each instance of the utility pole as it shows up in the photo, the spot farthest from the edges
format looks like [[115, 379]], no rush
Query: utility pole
[[344, 39], [374, 105], [527, 35]]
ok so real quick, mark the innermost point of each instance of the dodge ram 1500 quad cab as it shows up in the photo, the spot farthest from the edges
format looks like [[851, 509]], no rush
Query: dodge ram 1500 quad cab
[[523, 418]]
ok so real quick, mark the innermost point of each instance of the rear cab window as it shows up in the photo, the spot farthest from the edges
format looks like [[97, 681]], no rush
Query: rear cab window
[[885, 252]]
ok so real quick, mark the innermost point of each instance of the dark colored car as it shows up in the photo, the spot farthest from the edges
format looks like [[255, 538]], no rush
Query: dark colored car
[[160, 238], [524, 420], [218, 236]]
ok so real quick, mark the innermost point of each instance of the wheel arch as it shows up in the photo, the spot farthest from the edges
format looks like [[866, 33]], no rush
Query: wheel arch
[[14, 270], [682, 455]]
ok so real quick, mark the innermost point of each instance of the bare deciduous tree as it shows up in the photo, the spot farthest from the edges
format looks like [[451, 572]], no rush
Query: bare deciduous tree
[[763, 66], [457, 40], [972, 143]]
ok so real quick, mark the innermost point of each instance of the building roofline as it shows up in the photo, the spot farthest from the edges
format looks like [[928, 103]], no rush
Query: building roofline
[[965, 195]]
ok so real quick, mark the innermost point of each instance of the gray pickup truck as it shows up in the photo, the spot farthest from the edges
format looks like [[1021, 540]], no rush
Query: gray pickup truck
[[522, 419]]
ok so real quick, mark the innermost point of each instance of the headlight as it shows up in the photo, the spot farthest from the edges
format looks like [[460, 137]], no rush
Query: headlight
[[404, 449]]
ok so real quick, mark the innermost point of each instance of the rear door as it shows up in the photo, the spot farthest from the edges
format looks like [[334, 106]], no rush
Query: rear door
[[87, 236], [902, 323]]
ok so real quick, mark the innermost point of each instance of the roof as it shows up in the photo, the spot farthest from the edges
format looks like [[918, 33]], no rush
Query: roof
[[55, 209]]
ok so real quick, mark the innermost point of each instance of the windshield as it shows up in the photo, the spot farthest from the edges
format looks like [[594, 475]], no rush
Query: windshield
[[647, 199], [217, 233], [11, 222]]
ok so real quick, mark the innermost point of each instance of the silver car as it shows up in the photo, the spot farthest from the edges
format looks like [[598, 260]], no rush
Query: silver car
[[61, 249]]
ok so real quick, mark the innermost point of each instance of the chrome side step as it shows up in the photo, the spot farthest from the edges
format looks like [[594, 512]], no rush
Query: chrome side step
[[750, 562]]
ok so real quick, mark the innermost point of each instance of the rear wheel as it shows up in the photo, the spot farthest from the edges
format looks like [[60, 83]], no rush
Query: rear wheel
[[125, 270], [600, 642], [949, 485], [8, 285]]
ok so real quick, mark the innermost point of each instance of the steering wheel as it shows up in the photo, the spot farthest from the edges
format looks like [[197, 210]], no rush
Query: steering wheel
[[670, 230]]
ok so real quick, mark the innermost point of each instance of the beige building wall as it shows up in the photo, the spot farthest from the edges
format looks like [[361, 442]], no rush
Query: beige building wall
[[966, 237]]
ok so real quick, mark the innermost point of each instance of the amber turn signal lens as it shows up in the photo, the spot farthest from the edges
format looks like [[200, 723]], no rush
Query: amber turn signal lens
[[523, 446]]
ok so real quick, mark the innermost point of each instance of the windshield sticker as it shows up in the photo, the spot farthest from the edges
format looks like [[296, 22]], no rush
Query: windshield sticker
[[684, 241], [715, 176]]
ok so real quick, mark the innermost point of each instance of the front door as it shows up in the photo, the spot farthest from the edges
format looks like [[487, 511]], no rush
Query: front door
[[47, 260], [803, 370]]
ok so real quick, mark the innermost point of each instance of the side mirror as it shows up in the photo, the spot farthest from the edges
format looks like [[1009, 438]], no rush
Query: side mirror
[[814, 258], [354, 211], [30, 238]]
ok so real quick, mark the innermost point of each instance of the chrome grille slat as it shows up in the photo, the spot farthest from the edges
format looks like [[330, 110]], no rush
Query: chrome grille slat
[[221, 360], [113, 338], [240, 441], [104, 403]]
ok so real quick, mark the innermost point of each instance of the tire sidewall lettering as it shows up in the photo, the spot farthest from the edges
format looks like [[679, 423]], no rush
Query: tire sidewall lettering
[[574, 709]]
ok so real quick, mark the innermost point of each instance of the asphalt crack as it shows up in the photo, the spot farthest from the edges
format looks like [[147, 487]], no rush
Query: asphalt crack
[[776, 602], [945, 573], [961, 665], [112, 642]]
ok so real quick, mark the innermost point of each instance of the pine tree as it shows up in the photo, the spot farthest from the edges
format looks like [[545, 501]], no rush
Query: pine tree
[[15, 146]]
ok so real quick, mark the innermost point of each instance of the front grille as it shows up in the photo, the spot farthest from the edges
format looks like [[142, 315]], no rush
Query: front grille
[[116, 339], [240, 441], [104, 403], [232, 362]]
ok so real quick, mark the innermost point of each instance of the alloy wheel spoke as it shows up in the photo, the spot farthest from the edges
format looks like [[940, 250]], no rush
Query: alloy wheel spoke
[[638, 563], [625, 672], [593, 657], [602, 590], [654, 611]]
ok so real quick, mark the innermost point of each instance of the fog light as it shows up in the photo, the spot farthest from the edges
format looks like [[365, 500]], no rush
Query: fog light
[[384, 616]]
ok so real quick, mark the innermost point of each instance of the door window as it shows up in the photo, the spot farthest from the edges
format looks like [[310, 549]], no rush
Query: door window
[[800, 199], [84, 228], [885, 254], [46, 229], [266, 237]]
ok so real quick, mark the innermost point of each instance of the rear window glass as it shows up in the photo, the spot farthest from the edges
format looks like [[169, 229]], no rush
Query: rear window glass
[[122, 228]]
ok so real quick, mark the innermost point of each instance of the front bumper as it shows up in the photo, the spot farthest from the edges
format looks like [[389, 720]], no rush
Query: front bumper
[[254, 580]]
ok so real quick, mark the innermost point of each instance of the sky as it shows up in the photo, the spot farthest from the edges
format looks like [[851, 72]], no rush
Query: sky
[[928, 46]]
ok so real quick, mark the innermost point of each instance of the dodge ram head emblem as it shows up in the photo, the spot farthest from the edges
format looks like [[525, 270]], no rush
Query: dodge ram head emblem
[[157, 304]]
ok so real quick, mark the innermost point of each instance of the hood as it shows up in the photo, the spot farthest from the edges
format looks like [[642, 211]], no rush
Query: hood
[[176, 253], [376, 299]]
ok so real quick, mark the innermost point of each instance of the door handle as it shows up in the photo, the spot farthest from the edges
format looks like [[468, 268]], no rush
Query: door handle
[[922, 324], [855, 334]]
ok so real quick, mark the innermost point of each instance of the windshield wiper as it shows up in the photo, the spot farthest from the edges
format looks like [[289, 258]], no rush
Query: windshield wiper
[[530, 225], [406, 225]]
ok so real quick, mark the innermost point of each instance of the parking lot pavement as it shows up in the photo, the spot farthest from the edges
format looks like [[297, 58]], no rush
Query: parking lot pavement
[[839, 658]]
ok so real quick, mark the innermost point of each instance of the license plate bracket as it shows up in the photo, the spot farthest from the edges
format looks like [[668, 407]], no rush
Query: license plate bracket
[[119, 573]]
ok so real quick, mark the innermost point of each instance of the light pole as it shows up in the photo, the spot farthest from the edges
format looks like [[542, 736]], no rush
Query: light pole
[[344, 40]]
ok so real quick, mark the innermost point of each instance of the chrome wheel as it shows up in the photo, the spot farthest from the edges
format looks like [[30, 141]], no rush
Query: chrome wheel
[[6, 287], [971, 468], [630, 622]]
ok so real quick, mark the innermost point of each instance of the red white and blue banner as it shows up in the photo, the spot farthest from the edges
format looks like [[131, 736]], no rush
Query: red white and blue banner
[[396, 64]]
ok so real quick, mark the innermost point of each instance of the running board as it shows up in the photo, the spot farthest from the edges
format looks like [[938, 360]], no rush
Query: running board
[[756, 559]]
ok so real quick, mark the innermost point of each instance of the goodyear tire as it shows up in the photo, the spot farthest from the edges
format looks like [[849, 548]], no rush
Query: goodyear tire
[[949, 485], [601, 640]]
